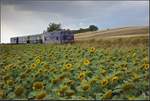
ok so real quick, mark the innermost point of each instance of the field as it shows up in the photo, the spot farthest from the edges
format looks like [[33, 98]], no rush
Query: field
[[94, 69], [123, 32]]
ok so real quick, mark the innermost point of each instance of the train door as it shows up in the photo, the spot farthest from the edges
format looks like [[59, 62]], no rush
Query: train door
[[28, 39], [17, 40]]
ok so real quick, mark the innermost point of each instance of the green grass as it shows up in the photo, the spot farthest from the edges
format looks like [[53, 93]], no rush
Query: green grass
[[116, 42]]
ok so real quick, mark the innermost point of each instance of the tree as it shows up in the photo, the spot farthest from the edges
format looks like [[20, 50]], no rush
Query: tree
[[93, 28], [53, 27]]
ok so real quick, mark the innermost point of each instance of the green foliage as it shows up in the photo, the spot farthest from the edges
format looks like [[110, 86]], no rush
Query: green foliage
[[53, 27], [93, 28], [73, 72], [82, 30]]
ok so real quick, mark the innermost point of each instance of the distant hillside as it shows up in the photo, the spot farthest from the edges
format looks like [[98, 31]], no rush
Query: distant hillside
[[114, 33]]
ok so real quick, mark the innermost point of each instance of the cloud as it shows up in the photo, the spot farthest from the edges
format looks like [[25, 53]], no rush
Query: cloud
[[24, 17]]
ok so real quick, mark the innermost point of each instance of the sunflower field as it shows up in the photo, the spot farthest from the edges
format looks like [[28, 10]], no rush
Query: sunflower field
[[73, 72]]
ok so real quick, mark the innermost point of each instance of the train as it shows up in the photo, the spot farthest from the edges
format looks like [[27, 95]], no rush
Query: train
[[63, 36]]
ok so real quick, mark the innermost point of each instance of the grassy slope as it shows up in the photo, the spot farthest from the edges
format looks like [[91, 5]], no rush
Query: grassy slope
[[113, 33], [118, 37]]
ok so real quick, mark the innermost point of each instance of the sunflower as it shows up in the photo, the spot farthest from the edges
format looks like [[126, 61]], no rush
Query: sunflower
[[86, 62], [135, 77], [86, 87], [52, 69], [28, 70], [104, 82], [66, 56], [45, 70], [38, 85], [6, 77], [23, 76], [146, 66], [131, 98], [124, 69], [1, 93], [46, 66], [63, 89], [68, 66], [19, 90], [81, 76], [108, 95], [70, 92], [10, 82], [33, 66], [54, 81], [40, 71], [50, 55], [93, 80], [114, 79], [38, 61], [92, 49], [62, 77], [127, 86], [41, 95], [103, 71], [10, 66], [70, 82]]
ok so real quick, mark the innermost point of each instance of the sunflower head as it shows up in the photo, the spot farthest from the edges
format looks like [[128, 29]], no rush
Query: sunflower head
[[10, 82], [38, 61], [131, 98], [46, 66], [81, 76], [38, 85], [86, 87], [127, 86], [93, 81], [23, 76], [41, 95], [124, 69], [62, 77], [146, 66], [70, 92], [107, 95], [1, 93], [6, 77], [103, 71], [135, 77], [104, 82], [55, 80], [86, 62], [92, 49], [50, 55], [63, 89], [114, 79], [33, 66], [28, 70], [68, 66], [19, 90], [40, 71], [70, 82]]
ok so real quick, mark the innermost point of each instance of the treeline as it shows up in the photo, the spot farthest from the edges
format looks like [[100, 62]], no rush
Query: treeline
[[57, 27], [90, 28]]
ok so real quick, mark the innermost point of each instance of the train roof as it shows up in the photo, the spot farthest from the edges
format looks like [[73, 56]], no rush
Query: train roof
[[42, 33], [27, 35]]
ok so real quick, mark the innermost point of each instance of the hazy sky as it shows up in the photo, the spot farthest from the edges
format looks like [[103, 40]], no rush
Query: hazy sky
[[25, 17]]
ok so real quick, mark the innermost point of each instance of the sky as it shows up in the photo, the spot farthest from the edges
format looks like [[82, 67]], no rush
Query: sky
[[28, 17]]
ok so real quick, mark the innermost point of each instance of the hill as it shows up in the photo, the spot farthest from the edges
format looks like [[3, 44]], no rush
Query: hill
[[114, 33]]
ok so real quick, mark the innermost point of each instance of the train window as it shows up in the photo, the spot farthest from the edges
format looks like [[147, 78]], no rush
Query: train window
[[57, 38], [45, 38]]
